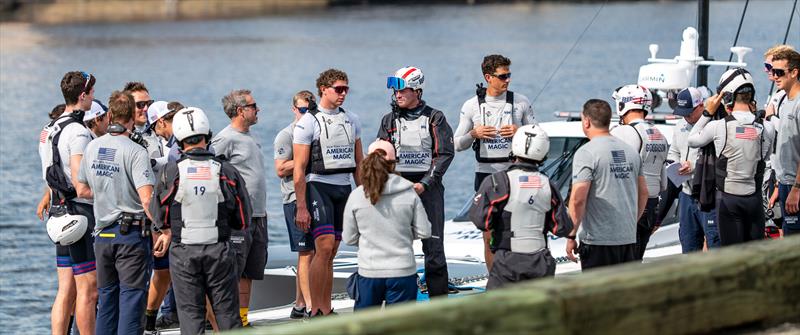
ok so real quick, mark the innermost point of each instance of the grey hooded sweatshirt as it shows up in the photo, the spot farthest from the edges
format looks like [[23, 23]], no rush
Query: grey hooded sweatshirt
[[384, 232]]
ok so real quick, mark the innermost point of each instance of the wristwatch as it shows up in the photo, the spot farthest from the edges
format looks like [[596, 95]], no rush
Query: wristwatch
[[571, 237]]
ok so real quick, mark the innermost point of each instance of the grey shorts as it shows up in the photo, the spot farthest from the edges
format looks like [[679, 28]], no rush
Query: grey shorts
[[251, 249]]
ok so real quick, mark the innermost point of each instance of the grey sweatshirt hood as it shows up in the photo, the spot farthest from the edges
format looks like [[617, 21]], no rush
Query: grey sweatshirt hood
[[396, 184]]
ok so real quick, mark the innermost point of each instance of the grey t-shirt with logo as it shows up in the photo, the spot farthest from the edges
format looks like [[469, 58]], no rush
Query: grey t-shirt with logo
[[244, 153], [788, 144], [283, 150], [115, 168], [613, 168]]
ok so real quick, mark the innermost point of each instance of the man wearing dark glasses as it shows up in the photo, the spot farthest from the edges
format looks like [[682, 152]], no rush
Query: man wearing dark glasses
[[742, 143], [424, 144], [489, 120], [299, 241], [327, 151], [62, 144], [143, 101], [786, 73], [238, 145]]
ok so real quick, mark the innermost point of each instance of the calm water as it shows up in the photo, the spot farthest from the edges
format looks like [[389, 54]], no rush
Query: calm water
[[198, 62]]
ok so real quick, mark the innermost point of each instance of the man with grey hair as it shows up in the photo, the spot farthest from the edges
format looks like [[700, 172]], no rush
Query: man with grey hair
[[243, 151]]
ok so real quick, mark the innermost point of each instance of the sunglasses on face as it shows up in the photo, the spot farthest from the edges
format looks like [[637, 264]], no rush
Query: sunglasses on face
[[778, 72], [504, 76], [340, 89], [144, 104], [767, 67], [253, 106], [302, 110]]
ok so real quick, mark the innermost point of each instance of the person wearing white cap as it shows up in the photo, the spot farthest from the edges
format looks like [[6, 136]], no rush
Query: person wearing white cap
[[96, 119], [424, 143], [159, 119], [742, 143], [519, 207], [383, 217], [633, 102], [694, 222]]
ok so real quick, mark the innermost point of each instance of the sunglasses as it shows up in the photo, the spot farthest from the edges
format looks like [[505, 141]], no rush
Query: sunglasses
[[778, 72], [144, 104], [767, 67], [253, 106], [302, 110], [88, 78], [504, 76], [340, 89]]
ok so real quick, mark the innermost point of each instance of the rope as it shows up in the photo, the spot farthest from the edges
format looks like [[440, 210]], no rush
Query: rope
[[738, 30], [785, 38], [570, 51]]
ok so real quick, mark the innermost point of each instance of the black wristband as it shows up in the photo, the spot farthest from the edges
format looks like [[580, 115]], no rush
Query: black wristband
[[706, 113], [572, 237]]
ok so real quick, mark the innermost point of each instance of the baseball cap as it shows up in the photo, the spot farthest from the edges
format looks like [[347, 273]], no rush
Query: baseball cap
[[385, 146], [156, 111], [687, 100], [97, 110]]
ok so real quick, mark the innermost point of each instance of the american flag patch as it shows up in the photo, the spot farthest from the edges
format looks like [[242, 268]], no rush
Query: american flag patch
[[106, 154], [654, 135], [746, 133], [198, 173], [43, 136], [618, 156], [530, 182]]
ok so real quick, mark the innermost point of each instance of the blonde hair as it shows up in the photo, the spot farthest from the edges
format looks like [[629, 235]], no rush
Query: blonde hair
[[777, 49]]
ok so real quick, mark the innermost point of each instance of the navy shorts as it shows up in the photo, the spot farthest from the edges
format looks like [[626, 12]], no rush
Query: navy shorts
[[298, 240], [80, 255], [326, 207]]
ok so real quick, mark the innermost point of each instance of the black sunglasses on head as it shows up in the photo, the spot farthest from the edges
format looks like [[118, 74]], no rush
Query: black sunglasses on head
[[143, 104]]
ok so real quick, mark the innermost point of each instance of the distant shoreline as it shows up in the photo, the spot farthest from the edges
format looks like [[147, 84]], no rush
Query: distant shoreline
[[54, 12]]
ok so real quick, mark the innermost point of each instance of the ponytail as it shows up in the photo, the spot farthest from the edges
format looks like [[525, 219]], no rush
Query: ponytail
[[375, 170]]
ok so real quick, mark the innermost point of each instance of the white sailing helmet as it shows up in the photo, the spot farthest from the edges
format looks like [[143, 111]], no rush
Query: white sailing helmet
[[189, 122], [407, 77], [735, 81], [531, 142], [630, 97], [66, 229]]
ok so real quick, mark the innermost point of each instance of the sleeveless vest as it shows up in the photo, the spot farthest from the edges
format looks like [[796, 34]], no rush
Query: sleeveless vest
[[529, 200], [334, 151], [497, 149], [414, 144], [199, 194], [52, 166], [653, 149]]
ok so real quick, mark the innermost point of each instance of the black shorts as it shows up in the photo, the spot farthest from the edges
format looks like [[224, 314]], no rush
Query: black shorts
[[80, 255], [298, 240], [593, 256], [326, 207], [251, 249]]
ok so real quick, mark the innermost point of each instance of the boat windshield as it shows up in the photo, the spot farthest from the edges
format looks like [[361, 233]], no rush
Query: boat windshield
[[558, 166]]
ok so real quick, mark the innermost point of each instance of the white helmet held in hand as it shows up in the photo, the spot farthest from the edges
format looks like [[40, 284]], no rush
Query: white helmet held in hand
[[189, 122], [735, 81], [66, 229], [407, 77], [630, 97], [530, 142]]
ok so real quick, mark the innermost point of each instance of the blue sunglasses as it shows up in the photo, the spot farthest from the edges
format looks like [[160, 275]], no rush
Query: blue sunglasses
[[395, 83]]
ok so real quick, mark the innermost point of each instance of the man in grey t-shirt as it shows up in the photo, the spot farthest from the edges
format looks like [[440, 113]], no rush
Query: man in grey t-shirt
[[786, 71], [299, 241], [117, 172], [609, 193], [238, 146]]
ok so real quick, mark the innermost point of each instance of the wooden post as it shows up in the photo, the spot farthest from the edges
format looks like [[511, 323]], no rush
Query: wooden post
[[751, 284]]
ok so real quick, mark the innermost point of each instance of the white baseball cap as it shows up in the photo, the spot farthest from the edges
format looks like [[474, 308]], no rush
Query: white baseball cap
[[156, 111], [97, 110]]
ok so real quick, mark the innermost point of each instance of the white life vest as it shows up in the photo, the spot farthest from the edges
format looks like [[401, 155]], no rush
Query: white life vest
[[199, 195], [653, 149], [52, 165], [414, 144], [740, 167], [334, 151], [497, 149], [528, 202]]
